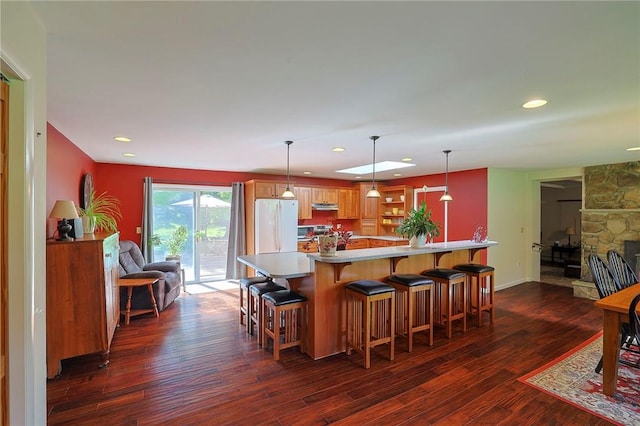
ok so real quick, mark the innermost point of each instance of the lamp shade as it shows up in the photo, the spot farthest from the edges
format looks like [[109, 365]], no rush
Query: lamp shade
[[64, 209], [571, 230]]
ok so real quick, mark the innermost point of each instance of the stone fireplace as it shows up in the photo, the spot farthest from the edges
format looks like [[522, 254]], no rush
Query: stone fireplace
[[610, 216]]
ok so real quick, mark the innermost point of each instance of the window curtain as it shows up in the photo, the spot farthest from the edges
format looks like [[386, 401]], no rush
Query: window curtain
[[147, 219], [237, 233]]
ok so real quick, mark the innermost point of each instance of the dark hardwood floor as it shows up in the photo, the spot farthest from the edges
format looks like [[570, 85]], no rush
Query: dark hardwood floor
[[194, 365]]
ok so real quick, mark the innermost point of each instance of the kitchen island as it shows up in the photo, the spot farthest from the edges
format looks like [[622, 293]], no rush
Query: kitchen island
[[322, 281]]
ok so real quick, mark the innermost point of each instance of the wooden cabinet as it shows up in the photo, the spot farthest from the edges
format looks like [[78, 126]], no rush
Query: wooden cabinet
[[83, 305], [368, 206], [395, 204], [324, 195], [358, 243], [374, 242], [267, 189], [348, 203], [308, 247], [368, 227], [303, 195]]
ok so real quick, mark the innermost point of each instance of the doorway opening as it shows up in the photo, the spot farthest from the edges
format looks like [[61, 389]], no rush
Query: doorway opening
[[560, 231]]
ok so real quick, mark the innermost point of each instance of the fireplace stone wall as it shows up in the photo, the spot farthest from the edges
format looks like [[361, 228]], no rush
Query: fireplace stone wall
[[611, 212]]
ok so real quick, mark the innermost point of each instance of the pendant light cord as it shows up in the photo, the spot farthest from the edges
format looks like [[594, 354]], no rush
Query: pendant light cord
[[374, 139], [288, 146]]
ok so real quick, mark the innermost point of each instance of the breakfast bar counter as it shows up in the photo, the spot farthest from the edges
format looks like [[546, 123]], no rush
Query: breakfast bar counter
[[322, 279]]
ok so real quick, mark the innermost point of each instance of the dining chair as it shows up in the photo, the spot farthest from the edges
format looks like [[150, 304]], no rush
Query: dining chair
[[603, 278], [606, 284], [634, 320], [622, 271]]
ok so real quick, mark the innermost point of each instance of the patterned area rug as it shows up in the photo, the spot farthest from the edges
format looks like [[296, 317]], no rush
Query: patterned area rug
[[572, 379]]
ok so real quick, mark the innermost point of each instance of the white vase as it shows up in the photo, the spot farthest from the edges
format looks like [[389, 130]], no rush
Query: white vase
[[88, 225], [418, 241], [327, 245]]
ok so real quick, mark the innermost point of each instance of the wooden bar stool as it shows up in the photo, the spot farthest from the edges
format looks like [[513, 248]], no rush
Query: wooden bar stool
[[285, 320], [370, 317], [450, 298], [481, 288], [245, 283], [254, 315], [414, 305]]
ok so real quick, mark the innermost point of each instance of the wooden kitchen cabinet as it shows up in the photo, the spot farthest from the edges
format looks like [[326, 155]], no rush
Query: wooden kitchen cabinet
[[303, 195], [324, 195], [348, 203], [374, 242], [267, 189], [308, 247], [358, 243], [83, 305], [368, 206]]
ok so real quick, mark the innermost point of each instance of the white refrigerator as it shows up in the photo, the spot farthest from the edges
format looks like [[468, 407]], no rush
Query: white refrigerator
[[276, 226]]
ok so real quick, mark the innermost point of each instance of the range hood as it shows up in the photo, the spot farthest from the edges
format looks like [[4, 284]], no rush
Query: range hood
[[323, 206]]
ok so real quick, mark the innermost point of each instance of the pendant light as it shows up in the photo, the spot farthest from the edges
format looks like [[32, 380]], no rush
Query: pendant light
[[373, 192], [288, 194], [446, 196]]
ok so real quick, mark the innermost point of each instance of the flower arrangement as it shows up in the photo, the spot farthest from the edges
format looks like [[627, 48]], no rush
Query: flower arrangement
[[334, 239]]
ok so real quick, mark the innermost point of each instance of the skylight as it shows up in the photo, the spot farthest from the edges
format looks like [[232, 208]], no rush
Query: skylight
[[380, 167]]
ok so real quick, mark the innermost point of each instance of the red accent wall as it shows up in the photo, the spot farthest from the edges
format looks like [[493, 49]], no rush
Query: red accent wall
[[125, 182], [468, 210], [66, 164]]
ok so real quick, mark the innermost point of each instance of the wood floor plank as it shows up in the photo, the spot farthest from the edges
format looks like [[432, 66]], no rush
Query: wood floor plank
[[196, 366]]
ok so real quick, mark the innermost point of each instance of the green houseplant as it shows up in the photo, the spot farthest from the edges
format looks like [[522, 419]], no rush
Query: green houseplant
[[101, 212], [418, 226], [176, 243]]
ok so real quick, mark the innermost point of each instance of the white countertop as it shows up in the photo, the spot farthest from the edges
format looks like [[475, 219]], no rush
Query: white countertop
[[343, 256], [279, 265], [297, 264]]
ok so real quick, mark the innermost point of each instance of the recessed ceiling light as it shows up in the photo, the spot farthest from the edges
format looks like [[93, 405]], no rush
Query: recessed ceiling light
[[122, 139], [306, 173], [635, 148], [534, 103], [337, 149], [380, 167], [397, 174], [128, 154], [407, 159], [358, 177]]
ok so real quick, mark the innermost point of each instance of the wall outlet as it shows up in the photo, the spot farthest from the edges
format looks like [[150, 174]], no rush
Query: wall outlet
[[138, 230]]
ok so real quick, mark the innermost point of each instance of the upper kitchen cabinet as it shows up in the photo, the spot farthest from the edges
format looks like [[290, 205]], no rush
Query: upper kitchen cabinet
[[368, 206], [303, 194], [348, 203], [268, 189], [324, 195]]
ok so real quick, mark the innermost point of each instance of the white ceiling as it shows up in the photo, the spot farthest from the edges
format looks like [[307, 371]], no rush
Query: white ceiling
[[221, 85]]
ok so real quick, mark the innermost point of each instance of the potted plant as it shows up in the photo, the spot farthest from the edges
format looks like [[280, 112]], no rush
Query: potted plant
[[101, 212], [418, 226], [176, 243]]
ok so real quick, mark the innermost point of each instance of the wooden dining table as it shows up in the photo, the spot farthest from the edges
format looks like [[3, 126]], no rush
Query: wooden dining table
[[616, 311]]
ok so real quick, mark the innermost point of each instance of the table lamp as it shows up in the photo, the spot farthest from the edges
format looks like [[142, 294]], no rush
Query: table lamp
[[63, 210], [570, 231]]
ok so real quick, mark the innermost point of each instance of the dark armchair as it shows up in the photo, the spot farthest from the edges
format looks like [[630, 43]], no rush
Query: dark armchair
[[133, 265]]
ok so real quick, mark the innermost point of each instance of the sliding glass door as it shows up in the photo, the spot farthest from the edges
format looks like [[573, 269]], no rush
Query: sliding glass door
[[204, 212]]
